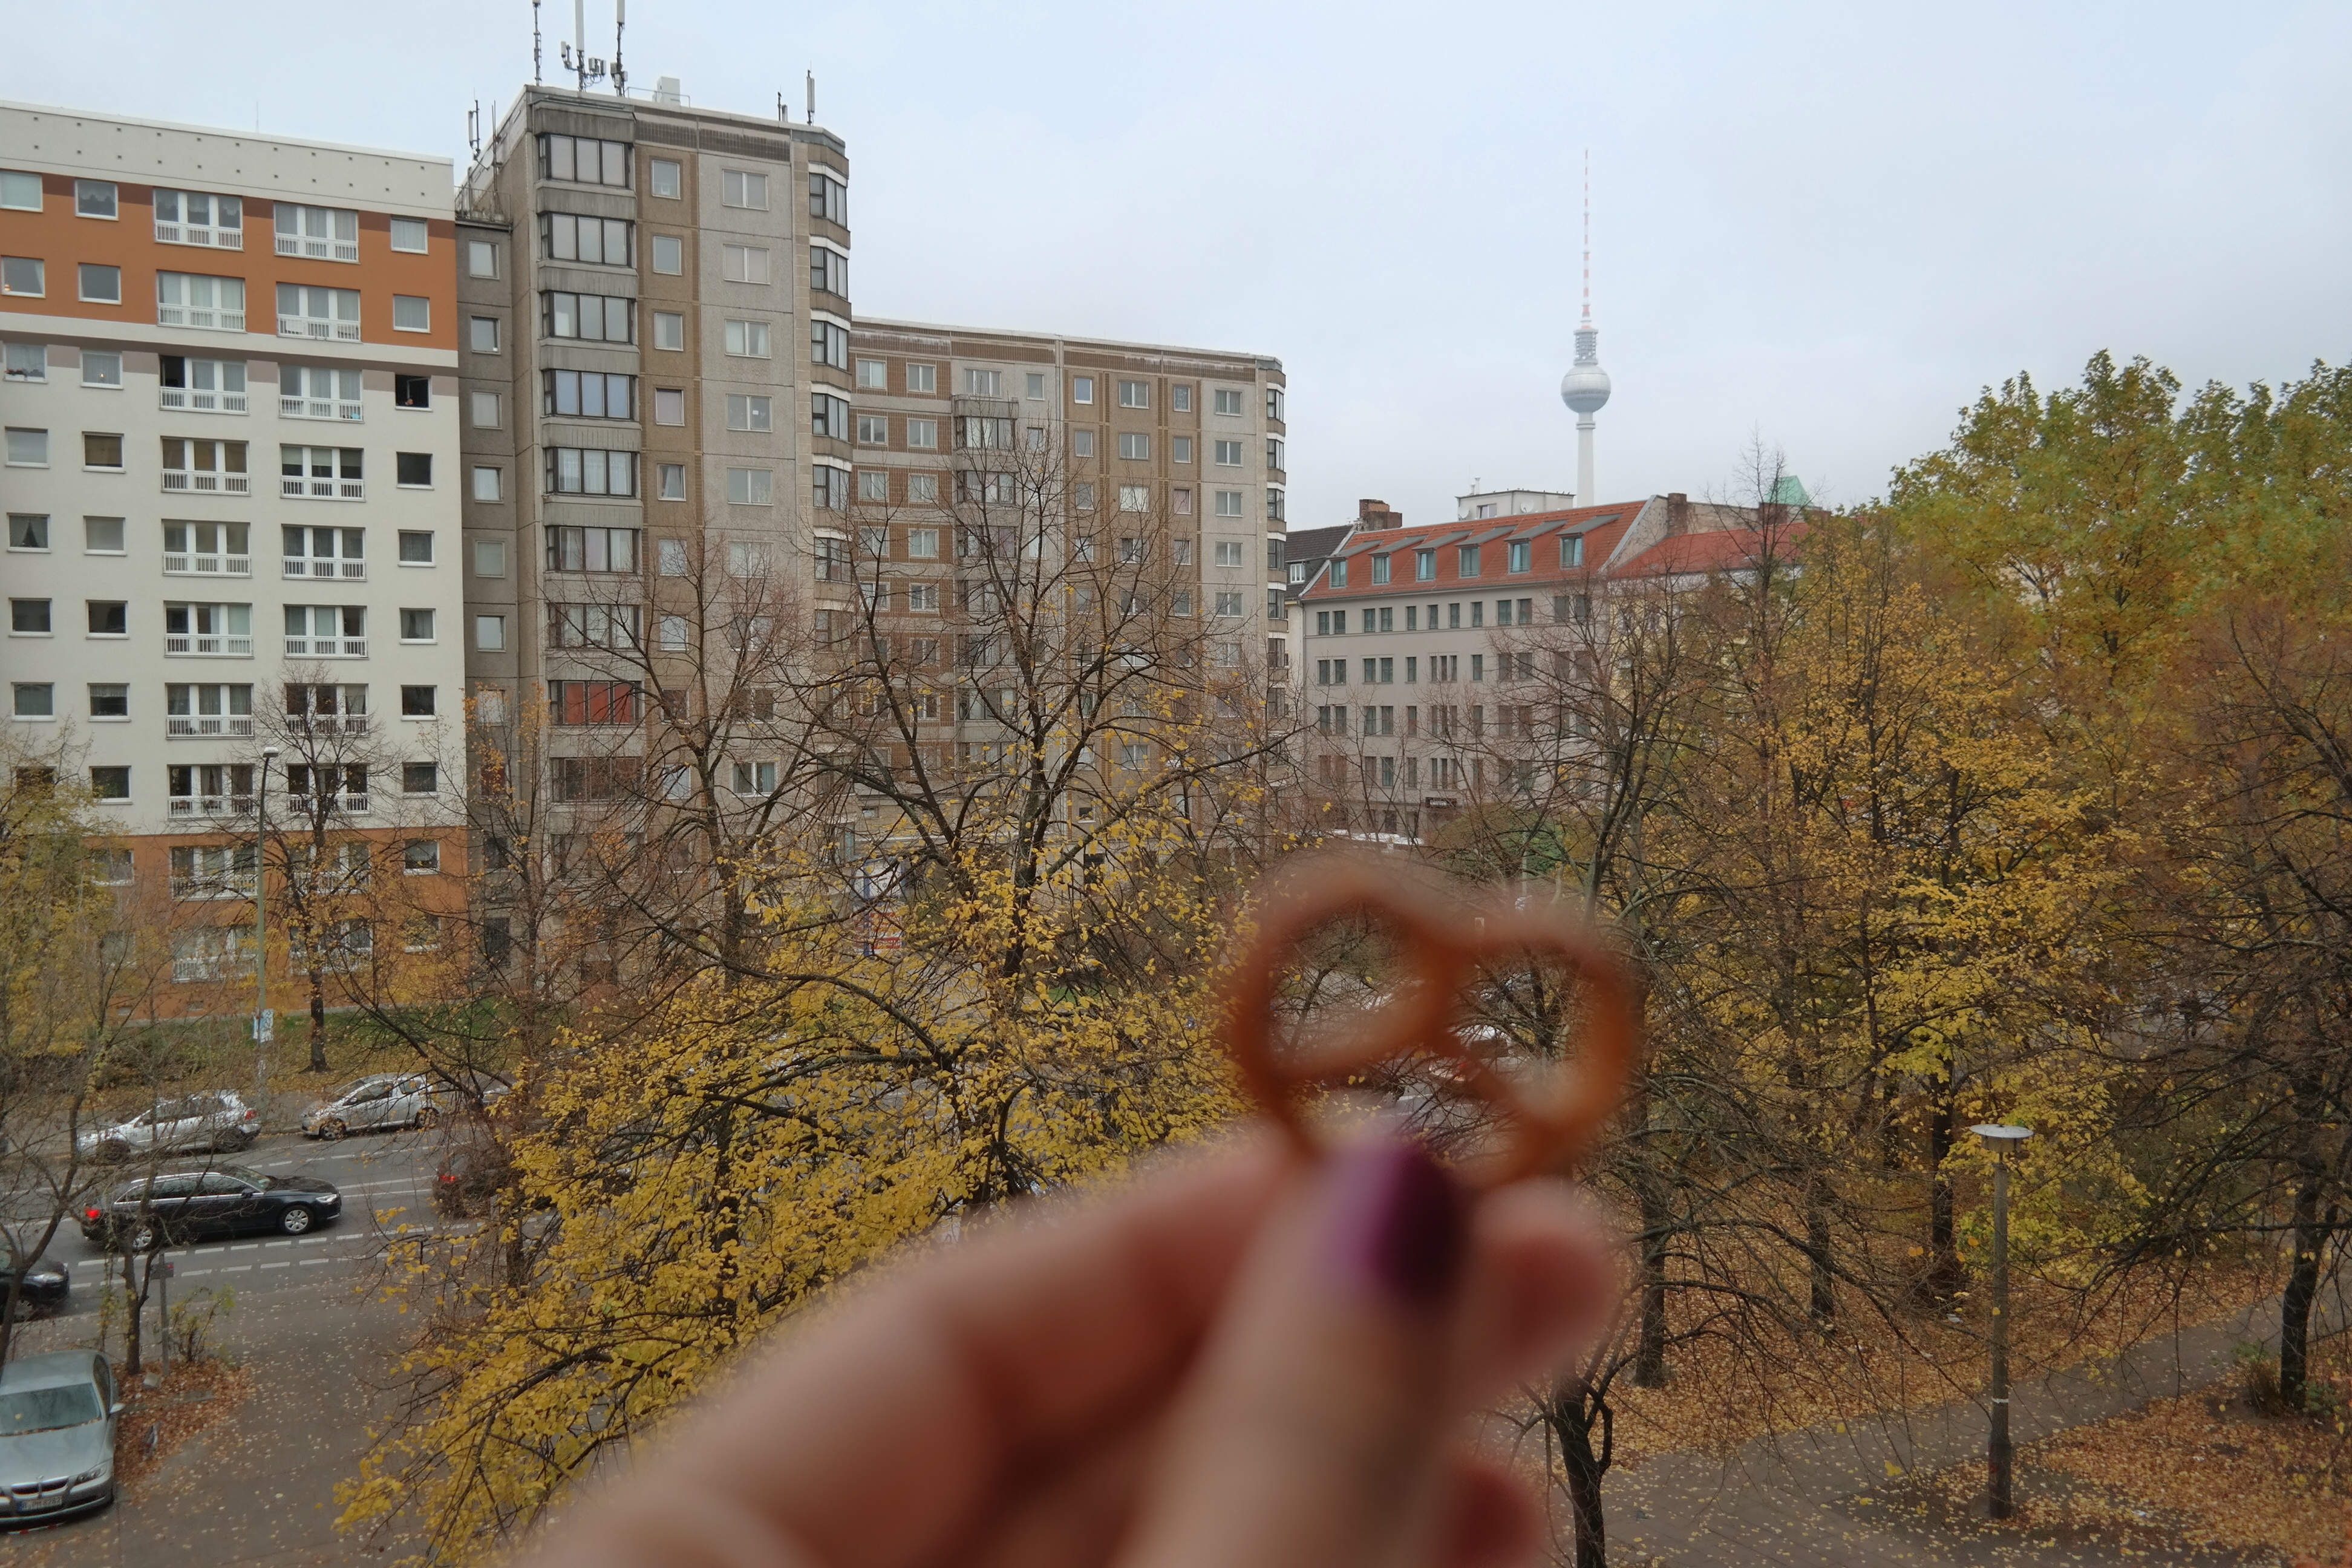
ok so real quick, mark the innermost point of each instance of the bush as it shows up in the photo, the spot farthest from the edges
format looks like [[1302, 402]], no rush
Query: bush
[[192, 1320]]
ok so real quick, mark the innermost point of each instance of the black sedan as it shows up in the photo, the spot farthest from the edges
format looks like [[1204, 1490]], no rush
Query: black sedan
[[223, 1200], [43, 1282]]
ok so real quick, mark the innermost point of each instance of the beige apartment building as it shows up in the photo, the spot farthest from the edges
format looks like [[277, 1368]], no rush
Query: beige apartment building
[[231, 483]]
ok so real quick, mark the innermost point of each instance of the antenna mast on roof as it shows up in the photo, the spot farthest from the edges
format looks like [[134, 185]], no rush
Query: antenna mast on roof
[[534, 43], [812, 96], [620, 24]]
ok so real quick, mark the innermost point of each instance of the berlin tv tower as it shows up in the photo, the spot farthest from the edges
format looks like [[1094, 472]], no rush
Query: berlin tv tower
[[1585, 387]]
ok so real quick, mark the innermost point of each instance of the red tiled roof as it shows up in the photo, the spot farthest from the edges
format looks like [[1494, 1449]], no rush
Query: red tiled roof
[[1724, 550], [1600, 538]]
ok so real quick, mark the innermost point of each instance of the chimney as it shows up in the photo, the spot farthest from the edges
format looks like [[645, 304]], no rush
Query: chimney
[[1371, 513], [1677, 513]]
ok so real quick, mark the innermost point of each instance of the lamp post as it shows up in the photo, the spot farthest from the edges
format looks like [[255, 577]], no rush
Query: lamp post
[[261, 1020], [1999, 1137]]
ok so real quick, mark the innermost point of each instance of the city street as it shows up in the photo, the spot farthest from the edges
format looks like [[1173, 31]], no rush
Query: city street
[[259, 1487]]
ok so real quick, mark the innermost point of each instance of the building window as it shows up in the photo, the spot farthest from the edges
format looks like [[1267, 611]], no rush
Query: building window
[[1134, 446], [483, 406], [29, 531], [666, 180], [490, 633], [490, 558], [25, 275], [747, 411], [417, 626], [1229, 454], [669, 255], [318, 392], [828, 344], [111, 783], [194, 217], [923, 378], [100, 284], [1229, 553], [420, 778], [873, 429], [669, 405], [103, 367], [1277, 505], [20, 191], [1380, 569], [108, 617], [1229, 605], [1180, 398], [109, 700], [1339, 575], [922, 488], [596, 241], [828, 197], [743, 188], [1273, 452], [413, 471], [829, 416], [1466, 561], [585, 160], [481, 258], [749, 486], [36, 699], [592, 701], [590, 318], [27, 449], [873, 485], [489, 482], [1228, 400], [101, 451], [213, 631], [1135, 394], [1229, 503], [1180, 448], [592, 549], [94, 198], [321, 234], [326, 631], [1135, 498], [217, 305], [418, 702], [669, 330], [412, 313], [1571, 550], [748, 339], [412, 391], [587, 394], [575, 470], [829, 270], [743, 263], [1521, 550], [25, 362], [829, 487], [483, 334], [420, 857], [673, 630], [672, 482]]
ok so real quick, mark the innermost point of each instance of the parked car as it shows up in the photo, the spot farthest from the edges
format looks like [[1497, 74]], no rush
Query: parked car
[[392, 1100], [57, 1434], [216, 1120], [42, 1281], [226, 1200]]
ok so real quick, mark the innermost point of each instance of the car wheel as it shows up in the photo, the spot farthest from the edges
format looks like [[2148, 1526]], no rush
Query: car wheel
[[330, 1130], [428, 1117], [141, 1236], [295, 1220]]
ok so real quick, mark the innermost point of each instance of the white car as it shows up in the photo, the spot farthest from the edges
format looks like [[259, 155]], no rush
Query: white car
[[393, 1099], [214, 1120]]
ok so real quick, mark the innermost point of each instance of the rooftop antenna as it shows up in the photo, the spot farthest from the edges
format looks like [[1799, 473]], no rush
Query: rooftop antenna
[[812, 97], [620, 24], [576, 59], [534, 43], [474, 128]]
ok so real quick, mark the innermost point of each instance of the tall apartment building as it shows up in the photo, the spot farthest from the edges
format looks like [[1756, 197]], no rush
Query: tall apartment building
[[655, 352], [1192, 438], [230, 397]]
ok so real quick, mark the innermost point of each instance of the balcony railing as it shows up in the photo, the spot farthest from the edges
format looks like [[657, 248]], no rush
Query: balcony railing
[[191, 565], [207, 645], [199, 233], [303, 803], [212, 805], [322, 249], [202, 400], [201, 316], [318, 408], [315, 566], [312, 327], [294, 486], [326, 648], [208, 479], [228, 885], [206, 726], [330, 723]]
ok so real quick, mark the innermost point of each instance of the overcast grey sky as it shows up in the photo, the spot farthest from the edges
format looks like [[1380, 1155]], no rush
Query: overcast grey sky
[[1831, 224]]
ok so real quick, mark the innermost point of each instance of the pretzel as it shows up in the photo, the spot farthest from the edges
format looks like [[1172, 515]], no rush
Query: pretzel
[[1445, 942]]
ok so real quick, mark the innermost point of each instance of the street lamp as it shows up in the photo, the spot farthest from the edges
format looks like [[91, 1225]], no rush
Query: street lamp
[[261, 936], [1998, 1138]]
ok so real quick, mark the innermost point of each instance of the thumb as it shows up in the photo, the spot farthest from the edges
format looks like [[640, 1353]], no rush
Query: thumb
[[1310, 1433]]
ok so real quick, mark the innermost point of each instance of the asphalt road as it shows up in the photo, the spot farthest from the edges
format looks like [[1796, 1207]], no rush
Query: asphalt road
[[322, 1342]]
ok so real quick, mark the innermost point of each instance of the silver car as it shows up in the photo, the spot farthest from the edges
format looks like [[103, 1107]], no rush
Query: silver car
[[213, 1120], [57, 1434], [386, 1099]]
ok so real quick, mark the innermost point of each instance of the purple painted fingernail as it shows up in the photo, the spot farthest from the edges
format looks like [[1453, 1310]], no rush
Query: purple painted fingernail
[[1398, 1222]]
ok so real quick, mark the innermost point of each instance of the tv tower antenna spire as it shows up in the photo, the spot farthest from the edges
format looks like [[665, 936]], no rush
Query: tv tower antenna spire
[[1585, 387]]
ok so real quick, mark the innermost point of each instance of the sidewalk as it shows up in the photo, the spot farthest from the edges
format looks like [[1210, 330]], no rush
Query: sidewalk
[[1777, 1500]]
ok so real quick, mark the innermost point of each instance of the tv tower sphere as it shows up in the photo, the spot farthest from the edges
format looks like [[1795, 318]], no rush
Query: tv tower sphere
[[1585, 388]]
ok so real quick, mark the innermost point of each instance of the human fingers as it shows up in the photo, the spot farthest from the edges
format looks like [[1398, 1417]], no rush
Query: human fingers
[[1312, 1431], [888, 1432], [1542, 1281]]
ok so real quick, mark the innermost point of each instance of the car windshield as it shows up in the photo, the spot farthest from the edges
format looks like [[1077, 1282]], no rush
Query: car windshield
[[360, 1090], [47, 1409]]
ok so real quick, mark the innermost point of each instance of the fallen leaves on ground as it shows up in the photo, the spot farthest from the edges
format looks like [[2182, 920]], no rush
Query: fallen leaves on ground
[[192, 1398]]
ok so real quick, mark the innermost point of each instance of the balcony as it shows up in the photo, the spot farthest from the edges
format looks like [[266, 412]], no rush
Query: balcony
[[228, 885], [191, 565], [302, 805], [212, 805], [203, 317], [325, 566], [294, 487], [200, 234], [318, 408], [206, 726], [330, 723], [312, 327], [324, 647], [202, 400], [208, 481], [318, 246], [207, 645]]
